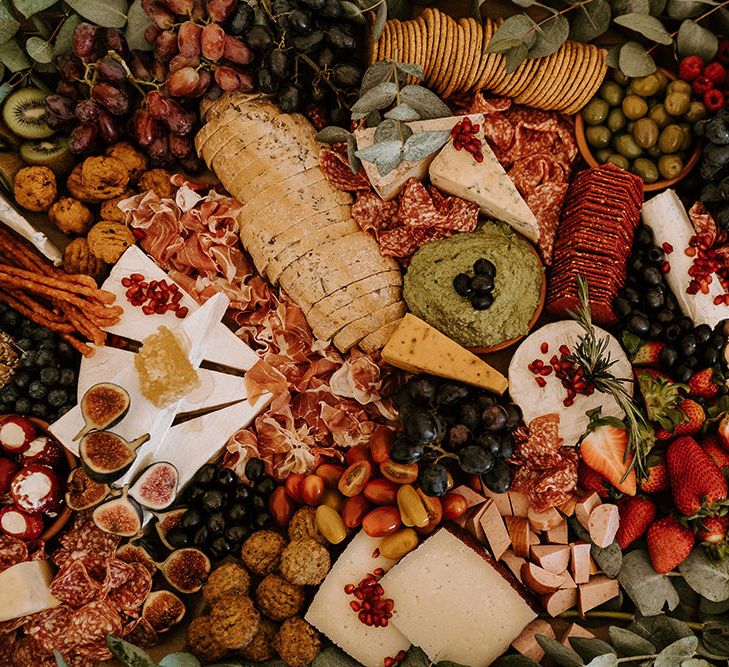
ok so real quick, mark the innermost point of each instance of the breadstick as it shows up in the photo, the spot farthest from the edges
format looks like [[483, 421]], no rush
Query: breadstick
[[82, 347], [31, 314], [94, 293]]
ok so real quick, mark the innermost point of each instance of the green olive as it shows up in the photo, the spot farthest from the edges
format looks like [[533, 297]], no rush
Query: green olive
[[658, 114], [654, 152], [630, 126], [615, 120], [670, 166], [671, 138], [663, 80], [678, 86], [645, 132], [645, 86], [677, 104], [620, 78], [619, 161], [696, 112], [688, 137], [612, 93], [596, 111], [634, 107], [626, 146], [603, 154], [598, 136], [646, 169]]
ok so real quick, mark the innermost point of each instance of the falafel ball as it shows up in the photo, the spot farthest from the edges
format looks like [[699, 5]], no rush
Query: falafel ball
[[71, 216], [201, 641], [135, 161], [228, 578], [159, 181], [261, 647], [297, 642], [234, 620], [279, 599], [303, 524], [110, 208], [35, 188], [305, 562], [261, 552]]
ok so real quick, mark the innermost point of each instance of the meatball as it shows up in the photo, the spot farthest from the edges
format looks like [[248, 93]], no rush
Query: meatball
[[305, 562], [278, 599], [201, 641], [110, 208], [159, 181], [34, 188], [134, 160], [78, 258], [97, 179], [303, 524], [228, 578], [297, 642], [234, 620], [71, 216], [261, 647], [261, 552]]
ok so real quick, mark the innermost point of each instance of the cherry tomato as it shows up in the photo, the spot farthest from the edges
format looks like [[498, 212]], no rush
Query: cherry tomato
[[354, 510], [293, 485], [312, 490], [281, 506], [380, 442], [330, 473], [454, 506]]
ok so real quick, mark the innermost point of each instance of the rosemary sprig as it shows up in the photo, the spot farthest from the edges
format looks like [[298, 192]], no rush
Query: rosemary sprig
[[592, 355]]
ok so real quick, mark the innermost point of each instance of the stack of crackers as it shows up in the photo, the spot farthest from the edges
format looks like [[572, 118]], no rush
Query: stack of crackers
[[599, 217], [454, 59]]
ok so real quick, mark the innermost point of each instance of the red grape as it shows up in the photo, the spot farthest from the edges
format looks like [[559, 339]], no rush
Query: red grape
[[157, 104], [188, 39], [183, 7], [247, 85], [114, 40], [180, 61], [75, 90], [82, 138], [60, 106], [178, 120], [180, 147], [108, 128], [159, 149], [109, 69], [214, 92], [111, 98], [198, 11], [220, 10], [139, 66], [145, 127], [159, 71], [227, 78], [87, 111], [204, 83], [84, 40], [236, 51], [183, 81], [151, 33], [212, 41], [163, 18], [69, 67], [165, 46]]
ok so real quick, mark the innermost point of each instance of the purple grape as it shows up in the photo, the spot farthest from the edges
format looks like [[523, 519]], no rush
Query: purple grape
[[69, 67], [84, 40], [82, 138], [87, 111], [159, 150], [109, 69], [60, 106], [145, 127], [108, 128], [114, 40], [113, 99]]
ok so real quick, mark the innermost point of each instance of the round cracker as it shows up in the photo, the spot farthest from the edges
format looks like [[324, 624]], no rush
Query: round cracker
[[580, 53], [486, 33], [432, 24], [538, 79], [468, 56], [514, 78], [421, 37], [454, 71], [447, 39], [547, 102], [498, 75], [386, 42], [548, 74], [397, 40], [593, 65], [476, 47], [597, 78], [581, 73], [526, 80]]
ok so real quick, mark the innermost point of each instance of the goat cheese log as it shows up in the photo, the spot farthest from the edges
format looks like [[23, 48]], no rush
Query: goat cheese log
[[298, 228]]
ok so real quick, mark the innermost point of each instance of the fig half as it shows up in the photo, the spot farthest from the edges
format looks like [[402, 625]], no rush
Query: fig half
[[186, 570], [119, 516], [102, 406], [134, 552], [82, 492], [166, 522], [156, 486], [162, 609], [107, 456]]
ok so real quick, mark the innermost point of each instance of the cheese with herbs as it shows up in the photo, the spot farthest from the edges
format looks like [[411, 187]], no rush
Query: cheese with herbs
[[25, 589]]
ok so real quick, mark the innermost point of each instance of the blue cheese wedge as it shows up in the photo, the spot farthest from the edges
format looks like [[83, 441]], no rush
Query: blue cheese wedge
[[484, 183], [25, 589]]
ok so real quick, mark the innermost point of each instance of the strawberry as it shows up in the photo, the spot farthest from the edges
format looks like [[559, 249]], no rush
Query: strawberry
[[723, 431], [636, 514], [702, 384], [712, 529], [694, 418], [712, 446], [657, 479], [669, 544], [591, 480], [696, 481], [647, 354], [661, 398], [650, 374], [603, 450]]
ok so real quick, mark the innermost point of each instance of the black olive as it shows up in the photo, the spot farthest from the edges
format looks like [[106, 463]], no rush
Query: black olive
[[254, 469], [702, 333], [687, 345], [656, 255], [717, 341], [236, 535], [462, 285], [347, 76], [643, 236], [668, 356], [692, 362], [482, 301], [262, 520], [226, 477], [23, 405], [656, 331], [201, 537], [636, 264], [194, 494], [236, 512], [402, 397], [307, 43], [498, 479], [259, 503], [279, 63], [216, 524], [682, 373], [482, 284], [220, 547], [652, 276], [420, 427], [178, 538], [192, 518], [422, 389], [686, 324], [484, 267], [638, 324], [665, 316], [709, 356], [206, 474], [331, 9], [265, 486], [655, 298], [672, 332], [213, 500], [622, 307], [36, 390]]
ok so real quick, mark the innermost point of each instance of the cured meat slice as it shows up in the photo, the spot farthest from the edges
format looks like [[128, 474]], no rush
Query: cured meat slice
[[74, 586], [12, 552], [93, 622], [49, 628], [130, 596]]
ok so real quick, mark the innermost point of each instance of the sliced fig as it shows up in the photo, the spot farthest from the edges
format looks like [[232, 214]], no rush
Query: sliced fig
[[186, 570], [102, 406], [107, 456], [36, 489], [134, 552], [167, 522], [156, 486], [119, 516], [16, 434], [82, 492], [17, 523], [8, 468], [162, 609], [45, 451]]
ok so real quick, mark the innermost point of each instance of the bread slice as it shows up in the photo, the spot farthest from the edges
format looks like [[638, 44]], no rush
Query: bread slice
[[211, 128], [354, 332], [216, 143], [378, 338], [245, 189], [304, 179], [324, 308]]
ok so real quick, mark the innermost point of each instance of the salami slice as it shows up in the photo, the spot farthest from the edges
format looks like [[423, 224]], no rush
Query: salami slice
[[117, 574], [50, 627], [131, 595], [336, 169], [27, 652], [93, 622], [13, 624], [12, 552], [95, 652], [6, 646], [74, 586]]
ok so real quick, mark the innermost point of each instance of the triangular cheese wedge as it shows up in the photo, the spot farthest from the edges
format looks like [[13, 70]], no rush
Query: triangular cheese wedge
[[484, 183], [419, 348]]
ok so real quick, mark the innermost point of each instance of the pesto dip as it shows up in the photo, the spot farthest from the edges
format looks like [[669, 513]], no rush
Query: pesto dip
[[429, 293]]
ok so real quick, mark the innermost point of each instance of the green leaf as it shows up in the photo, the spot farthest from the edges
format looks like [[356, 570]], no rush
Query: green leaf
[[709, 608], [398, 9], [515, 56], [684, 9], [590, 647], [661, 630], [630, 342], [648, 26], [13, 57], [657, 7], [106, 13], [332, 134], [64, 38], [680, 650], [695, 662], [707, 577], [5, 90], [514, 661], [630, 6], [40, 50], [649, 590], [403, 112], [386, 155], [628, 643], [354, 162], [635, 61], [411, 70], [8, 25], [613, 56], [551, 35], [590, 21], [376, 73], [609, 559], [695, 40], [372, 119], [392, 130], [128, 654], [421, 145], [60, 662], [562, 655], [137, 23], [179, 660], [515, 31], [379, 97], [715, 643], [415, 658], [29, 7], [425, 103], [606, 660], [380, 19], [334, 657]]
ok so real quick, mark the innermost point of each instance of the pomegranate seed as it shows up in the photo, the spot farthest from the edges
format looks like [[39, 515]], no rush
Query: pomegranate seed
[[181, 312], [126, 282], [665, 267], [379, 590], [564, 350], [389, 662], [379, 572], [541, 381], [161, 309], [538, 364], [382, 622], [362, 616], [401, 656], [359, 594], [376, 553], [177, 296], [568, 402], [173, 288], [544, 347], [691, 252], [147, 310], [667, 247], [355, 605], [172, 306], [153, 284], [137, 277], [545, 370], [366, 606], [349, 589]]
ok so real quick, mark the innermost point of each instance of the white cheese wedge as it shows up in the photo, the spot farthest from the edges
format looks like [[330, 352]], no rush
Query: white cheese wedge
[[25, 589], [454, 604], [670, 223], [485, 183], [331, 614]]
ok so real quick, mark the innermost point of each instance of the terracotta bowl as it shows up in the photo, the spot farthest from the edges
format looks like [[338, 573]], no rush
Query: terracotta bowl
[[537, 312], [586, 151], [65, 514]]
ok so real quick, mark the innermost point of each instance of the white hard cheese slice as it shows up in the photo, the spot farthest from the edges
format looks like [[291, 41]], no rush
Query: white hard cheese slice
[[453, 604], [484, 183], [331, 614], [25, 589], [667, 217]]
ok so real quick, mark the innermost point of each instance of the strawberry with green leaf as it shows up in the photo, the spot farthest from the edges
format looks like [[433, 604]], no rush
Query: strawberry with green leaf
[[657, 479], [648, 354], [697, 483], [705, 383], [666, 404]]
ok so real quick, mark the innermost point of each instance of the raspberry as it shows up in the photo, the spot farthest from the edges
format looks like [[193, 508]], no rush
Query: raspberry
[[702, 85], [691, 68], [716, 73], [714, 100], [722, 53]]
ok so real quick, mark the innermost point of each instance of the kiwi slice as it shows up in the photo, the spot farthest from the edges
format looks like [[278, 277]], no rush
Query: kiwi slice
[[10, 164], [52, 153], [25, 114], [8, 141]]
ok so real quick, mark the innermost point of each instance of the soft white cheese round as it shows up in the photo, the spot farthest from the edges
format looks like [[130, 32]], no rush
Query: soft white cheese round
[[12, 434], [13, 523], [35, 487]]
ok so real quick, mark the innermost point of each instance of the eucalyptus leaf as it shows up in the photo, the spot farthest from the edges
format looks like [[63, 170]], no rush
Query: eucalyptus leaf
[[13, 57], [384, 153], [425, 103], [106, 13], [657, 7], [354, 162], [392, 130], [421, 145], [332, 134], [525, 3], [650, 591], [403, 112], [128, 654], [707, 577], [686, 594], [716, 644], [137, 23], [661, 630], [179, 660], [635, 61], [562, 655], [376, 73], [5, 90], [379, 24], [64, 38], [613, 56], [373, 119], [695, 40], [60, 662], [606, 660], [695, 662], [609, 559], [398, 9], [590, 21], [590, 647], [29, 7], [514, 57], [514, 661], [39, 49], [648, 26], [333, 657], [448, 663], [415, 658], [630, 6], [684, 9], [379, 97], [410, 69], [680, 650], [515, 31], [628, 643], [707, 607], [8, 25], [351, 12]]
